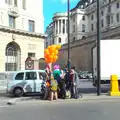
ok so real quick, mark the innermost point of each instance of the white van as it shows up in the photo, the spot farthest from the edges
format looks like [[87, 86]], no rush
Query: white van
[[27, 81]]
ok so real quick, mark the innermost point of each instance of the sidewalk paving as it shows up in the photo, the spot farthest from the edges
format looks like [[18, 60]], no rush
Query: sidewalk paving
[[86, 97]]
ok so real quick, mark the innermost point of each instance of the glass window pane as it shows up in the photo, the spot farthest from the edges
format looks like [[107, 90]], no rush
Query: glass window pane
[[31, 26], [19, 76], [42, 76], [31, 76]]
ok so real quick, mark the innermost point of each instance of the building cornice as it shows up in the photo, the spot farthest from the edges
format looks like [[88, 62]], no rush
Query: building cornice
[[113, 33], [21, 32]]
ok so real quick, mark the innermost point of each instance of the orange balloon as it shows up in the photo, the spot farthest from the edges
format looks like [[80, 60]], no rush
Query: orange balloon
[[53, 54], [55, 57], [46, 51], [56, 52], [50, 57], [54, 60], [52, 50]]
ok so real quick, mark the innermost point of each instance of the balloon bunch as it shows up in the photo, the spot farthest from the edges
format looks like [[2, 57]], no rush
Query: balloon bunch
[[51, 53]]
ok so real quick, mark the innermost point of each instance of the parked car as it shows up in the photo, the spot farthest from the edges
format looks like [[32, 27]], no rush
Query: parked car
[[27, 81], [84, 75]]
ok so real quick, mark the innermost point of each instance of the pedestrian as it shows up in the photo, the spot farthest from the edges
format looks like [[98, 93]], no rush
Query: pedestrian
[[53, 89], [74, 82], [62, 85]]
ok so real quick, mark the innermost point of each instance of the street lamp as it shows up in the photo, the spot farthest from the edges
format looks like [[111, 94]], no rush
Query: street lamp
[[98, 50], [68, 5]]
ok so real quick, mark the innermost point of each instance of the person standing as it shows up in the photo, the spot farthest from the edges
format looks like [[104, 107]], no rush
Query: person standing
[[74, 82]]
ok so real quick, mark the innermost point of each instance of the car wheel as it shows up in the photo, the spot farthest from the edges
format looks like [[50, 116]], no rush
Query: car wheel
[[18, 92]]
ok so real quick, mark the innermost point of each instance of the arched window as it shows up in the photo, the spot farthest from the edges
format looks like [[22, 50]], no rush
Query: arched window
[[12, 53], [59, 40], [73, 39], [83, 37]]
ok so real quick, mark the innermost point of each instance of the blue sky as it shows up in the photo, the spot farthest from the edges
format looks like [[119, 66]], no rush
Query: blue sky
[[52, 6]]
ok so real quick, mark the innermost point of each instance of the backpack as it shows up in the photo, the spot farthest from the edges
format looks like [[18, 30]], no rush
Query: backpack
[[54, 85]]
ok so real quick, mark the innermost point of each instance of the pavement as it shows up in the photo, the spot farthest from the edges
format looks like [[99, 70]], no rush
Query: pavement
[[86, 88], [90, 110]]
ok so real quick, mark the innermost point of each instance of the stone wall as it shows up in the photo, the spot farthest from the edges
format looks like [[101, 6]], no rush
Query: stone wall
[[81, 50], [80, 55]]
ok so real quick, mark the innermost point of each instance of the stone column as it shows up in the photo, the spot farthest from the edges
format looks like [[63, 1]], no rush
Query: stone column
[[61, 26], [58, 26], [65, 26]]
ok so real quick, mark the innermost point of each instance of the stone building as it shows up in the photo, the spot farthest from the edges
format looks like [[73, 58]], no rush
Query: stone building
[[21, 33], [57, 30], [83, 29]]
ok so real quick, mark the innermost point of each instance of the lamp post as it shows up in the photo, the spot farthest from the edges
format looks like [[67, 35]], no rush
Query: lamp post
[[68, 31], [98, 50]]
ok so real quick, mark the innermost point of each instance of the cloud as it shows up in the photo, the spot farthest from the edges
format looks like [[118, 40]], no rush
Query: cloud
[[64, 1]]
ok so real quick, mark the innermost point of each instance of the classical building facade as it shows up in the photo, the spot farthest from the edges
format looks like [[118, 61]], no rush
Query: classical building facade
[[84, 18], [83, 29], [57, 30], [21, 33]]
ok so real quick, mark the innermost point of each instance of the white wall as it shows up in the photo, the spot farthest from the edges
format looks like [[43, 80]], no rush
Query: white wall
[[34, 11]]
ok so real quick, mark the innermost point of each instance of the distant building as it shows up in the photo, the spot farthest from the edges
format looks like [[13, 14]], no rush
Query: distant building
[[83, 30], [84, 18], [57, 30], [21, 33]]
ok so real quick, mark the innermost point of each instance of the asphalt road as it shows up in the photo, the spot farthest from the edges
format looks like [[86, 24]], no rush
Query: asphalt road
[[85, 86], [88, 110]]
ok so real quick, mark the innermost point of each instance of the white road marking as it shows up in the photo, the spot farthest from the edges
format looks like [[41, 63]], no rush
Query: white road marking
[[2, 106]]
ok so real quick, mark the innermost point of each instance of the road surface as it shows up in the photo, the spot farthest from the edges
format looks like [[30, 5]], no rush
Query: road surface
[[88, 110], [87, 87]]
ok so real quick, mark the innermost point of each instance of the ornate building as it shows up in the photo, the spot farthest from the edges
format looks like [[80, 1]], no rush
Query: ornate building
[[83, 29], [21, 33], [57, 30]]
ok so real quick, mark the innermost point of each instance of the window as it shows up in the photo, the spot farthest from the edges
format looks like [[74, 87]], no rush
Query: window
[[73, 28], [117, 17], [31, 26], [109, 9], [59, 40], [42, 76], [83, 17], [73, 18], [117, 5], [92, 27], [111, 18], [108, 20], [83, 28], [102, 23], [15, 2], [31, 54], [19, 76], [24, 4], [9, 2], [83, 37], [10, 66], [46, 44], [102, 13], [30, 76], [53, 41], [73, 39], [92, 17], [11, 21]]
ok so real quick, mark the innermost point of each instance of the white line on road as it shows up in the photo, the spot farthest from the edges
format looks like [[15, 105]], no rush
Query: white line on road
[[2, 106]]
